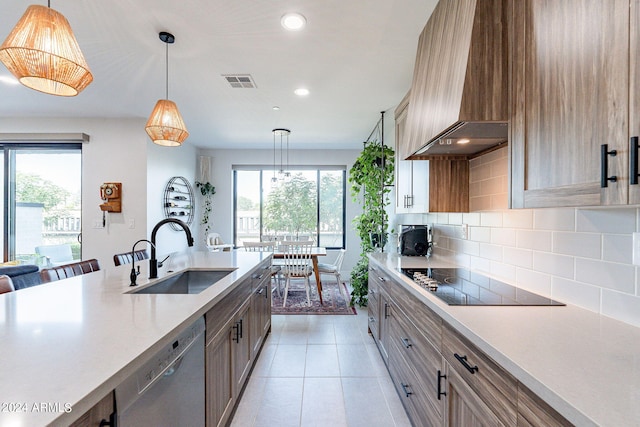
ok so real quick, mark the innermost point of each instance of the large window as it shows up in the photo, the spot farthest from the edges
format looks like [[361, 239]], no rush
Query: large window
[[41, 200], [308, 204]]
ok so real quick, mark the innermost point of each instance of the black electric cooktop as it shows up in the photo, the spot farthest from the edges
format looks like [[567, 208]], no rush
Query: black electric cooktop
[[458, 286]]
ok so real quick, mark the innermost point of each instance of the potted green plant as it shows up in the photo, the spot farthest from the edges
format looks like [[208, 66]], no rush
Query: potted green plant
[[207, 190], [370, 177]]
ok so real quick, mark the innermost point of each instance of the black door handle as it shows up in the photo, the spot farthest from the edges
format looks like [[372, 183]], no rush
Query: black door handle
[[440, 378], [604, 165], [633, 160]]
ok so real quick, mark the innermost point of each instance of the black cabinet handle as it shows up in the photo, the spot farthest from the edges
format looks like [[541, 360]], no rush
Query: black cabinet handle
[[404, 388], [237, 332], [440, 378], [372, 319], [463, 360], [260, 291], [633, 160], [240, 328], [405, 342], [382, 279], [386, 310], [604, 166]]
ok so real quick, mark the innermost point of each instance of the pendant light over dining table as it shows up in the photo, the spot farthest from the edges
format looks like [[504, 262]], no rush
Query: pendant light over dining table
[[165, 125], [43, 54]]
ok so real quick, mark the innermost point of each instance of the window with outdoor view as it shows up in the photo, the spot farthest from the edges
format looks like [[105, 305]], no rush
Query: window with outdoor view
[[41, 202], [301, 205]]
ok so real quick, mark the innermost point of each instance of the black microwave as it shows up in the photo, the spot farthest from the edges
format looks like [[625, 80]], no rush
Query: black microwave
[[415, 240]]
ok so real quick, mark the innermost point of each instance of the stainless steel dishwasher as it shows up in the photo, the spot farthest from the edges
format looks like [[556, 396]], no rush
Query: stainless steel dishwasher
[[169, 389]]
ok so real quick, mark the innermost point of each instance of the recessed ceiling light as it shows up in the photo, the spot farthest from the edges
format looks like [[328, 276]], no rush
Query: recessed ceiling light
[[293, 21], [10, 80], [276, 108], [301, 91]]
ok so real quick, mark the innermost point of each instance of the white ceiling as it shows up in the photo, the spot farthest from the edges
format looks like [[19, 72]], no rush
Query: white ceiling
[[355, 56]]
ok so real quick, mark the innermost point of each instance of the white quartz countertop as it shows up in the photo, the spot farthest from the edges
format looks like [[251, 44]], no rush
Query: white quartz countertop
[[65, 344], [584, 365]]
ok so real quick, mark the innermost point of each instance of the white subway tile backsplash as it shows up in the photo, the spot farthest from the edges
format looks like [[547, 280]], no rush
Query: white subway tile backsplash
[[557, 265], [536, 240], [480, 264], [492, 252], [588, 245], [518, 218], [561, 219], [443, 218], [518, 257], [480, 234], [620, 277], [621, 306], [503, 271], [491, 219], [534, 281], [614, 221], [471, 218], [503, 236], [617, 248], [500, 201], [577, 293], [468, 247], [455, 218]]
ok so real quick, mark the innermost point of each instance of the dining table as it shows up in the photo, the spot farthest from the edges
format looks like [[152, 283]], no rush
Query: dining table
[[316, 251]]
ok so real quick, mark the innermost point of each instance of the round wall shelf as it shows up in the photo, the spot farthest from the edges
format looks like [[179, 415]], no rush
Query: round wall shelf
[[179, 201]]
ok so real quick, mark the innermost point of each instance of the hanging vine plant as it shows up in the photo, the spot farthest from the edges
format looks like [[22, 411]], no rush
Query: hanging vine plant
[[207, 190], [370, 177]]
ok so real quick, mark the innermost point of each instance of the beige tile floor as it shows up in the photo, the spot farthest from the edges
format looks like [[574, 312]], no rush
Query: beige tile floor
[[320, 370]]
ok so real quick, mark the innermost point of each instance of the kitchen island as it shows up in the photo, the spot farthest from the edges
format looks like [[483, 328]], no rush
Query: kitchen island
[[67, 344], [583, 365]]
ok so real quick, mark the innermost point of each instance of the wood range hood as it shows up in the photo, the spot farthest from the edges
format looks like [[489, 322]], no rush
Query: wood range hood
[[458, 106]]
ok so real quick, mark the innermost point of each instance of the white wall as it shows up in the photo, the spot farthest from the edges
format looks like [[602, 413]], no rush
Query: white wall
[[222, 178], [119, 150], [163, 163]]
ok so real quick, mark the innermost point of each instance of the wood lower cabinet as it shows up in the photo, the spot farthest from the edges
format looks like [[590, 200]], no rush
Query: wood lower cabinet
[[465, 407], [220, 398], [104, 410], [440, 376], [490, 383], [236, 329], [261, 310]]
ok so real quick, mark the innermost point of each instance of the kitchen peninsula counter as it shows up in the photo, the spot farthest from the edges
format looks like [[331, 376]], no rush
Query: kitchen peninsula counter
[[584, 365], [66, 344]]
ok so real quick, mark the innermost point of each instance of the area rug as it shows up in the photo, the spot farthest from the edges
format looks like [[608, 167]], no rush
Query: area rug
[[334, 303]]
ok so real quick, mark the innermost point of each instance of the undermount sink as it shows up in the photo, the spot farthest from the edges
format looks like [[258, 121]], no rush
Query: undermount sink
[[187, 282]]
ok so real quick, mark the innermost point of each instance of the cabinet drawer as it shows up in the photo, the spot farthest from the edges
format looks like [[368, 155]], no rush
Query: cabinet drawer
[[224, 310], [411, 390], [425, 320], [496, 387], [419, 353]]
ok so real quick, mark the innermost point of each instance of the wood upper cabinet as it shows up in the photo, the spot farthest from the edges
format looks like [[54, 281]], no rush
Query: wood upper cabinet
[[634, 85], [571, 81], [412, 176], [437, 185], [461, 72]]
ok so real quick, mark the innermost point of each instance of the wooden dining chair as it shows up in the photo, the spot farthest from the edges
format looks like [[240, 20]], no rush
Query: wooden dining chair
[[126, 258], [296, 265], [275, 269], [69, 270], [6, 284], [334, 269]]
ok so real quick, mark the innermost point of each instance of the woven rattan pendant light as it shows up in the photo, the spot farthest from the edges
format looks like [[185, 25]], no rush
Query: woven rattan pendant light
[[43, 54], [165, 125]]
